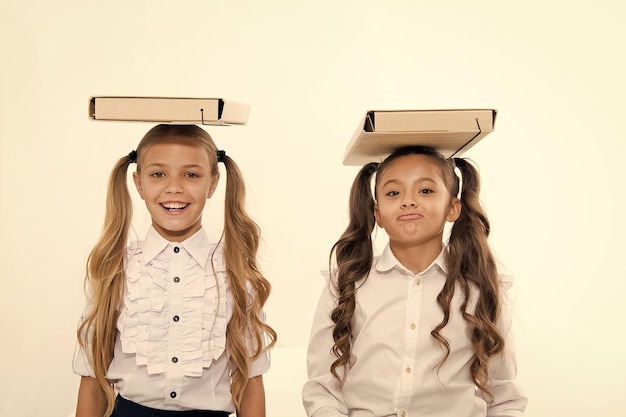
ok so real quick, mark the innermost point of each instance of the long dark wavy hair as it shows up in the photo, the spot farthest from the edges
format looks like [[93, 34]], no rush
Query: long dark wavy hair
[[470, 264]]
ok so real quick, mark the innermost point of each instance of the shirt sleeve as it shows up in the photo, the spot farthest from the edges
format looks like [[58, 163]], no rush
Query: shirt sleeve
[[81, 364], [509, 399], [261, 364], [321, 394]]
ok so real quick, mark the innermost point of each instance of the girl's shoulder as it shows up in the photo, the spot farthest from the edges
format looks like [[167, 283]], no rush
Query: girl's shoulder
[[505, 275], [133, 249], [329, 277]]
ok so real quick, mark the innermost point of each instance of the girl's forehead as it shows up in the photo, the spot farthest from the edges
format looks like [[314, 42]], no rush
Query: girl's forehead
[[169, 143], [177, 153], [413, 165], [169, 140]]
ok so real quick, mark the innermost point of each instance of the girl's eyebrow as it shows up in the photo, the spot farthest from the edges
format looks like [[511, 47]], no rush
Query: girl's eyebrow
[[155, 164], [391, 181], [427, 179]]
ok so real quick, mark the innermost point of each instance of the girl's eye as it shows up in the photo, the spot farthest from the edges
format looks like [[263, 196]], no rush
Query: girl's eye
[[392, 193], [426, 191], [156, 174], [192, 175]]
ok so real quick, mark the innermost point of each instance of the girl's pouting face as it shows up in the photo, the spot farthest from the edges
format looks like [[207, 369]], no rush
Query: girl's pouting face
[[413, 203], [174, 179]]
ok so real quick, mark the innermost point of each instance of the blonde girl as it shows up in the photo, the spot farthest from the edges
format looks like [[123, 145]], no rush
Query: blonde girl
[[174, 323]]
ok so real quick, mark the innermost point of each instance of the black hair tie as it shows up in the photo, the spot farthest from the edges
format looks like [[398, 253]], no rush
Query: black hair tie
[[132, 156], [220, 156]]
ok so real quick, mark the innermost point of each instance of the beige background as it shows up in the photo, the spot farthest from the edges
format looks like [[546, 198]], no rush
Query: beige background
[[552, 169]]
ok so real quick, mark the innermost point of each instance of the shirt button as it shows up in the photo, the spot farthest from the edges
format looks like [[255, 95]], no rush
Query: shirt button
[[176, 318], [173, 394], [177, 279], [403, 413], [175, 359], [176, 249], [418, 281], [413, 326], [408, 370]]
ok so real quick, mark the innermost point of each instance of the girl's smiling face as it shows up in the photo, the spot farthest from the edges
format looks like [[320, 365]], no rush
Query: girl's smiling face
[[174, 179], [413, 203]]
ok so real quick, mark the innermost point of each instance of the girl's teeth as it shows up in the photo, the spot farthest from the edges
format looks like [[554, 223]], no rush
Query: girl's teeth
[[175, 206]]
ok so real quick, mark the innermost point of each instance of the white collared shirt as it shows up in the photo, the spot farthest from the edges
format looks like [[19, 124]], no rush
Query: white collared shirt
[[170, 351], [394, 357]]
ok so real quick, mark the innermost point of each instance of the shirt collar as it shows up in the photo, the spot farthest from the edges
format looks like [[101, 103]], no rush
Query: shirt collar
[[197, 245], [387, 261]]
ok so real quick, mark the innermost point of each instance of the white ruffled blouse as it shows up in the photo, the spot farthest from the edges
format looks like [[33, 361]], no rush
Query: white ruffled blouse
[[170, 279], [170, 350]]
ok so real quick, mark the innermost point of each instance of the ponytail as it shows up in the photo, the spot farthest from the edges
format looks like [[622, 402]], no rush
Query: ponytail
[[471, 264], [354, 256], [105, 275], [241, 242]]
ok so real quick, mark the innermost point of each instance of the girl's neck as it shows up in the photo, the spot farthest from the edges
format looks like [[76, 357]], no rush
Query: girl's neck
[[416, 258]]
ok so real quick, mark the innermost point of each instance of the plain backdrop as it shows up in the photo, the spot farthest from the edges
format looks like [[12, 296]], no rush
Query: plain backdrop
[[552, 171]]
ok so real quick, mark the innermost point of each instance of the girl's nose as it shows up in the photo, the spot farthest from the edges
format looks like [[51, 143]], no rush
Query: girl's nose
[[173, 186], [409, 203]]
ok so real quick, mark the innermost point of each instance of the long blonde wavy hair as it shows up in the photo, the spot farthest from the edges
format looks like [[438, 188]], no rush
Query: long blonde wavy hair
[[105, 275]]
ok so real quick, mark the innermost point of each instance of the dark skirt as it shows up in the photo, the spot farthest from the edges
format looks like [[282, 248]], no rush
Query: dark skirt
[[127, 408]]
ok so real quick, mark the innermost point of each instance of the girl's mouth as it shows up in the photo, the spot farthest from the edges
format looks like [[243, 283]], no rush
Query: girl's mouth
[[411, 216], [174, 206]]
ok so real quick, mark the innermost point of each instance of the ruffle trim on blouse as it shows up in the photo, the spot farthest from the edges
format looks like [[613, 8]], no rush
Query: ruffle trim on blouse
[[199, 299]]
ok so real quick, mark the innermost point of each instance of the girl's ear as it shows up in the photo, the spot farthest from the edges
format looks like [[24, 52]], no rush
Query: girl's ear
[[137, 181], [377, 216], [213, 186], [455, 210]]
